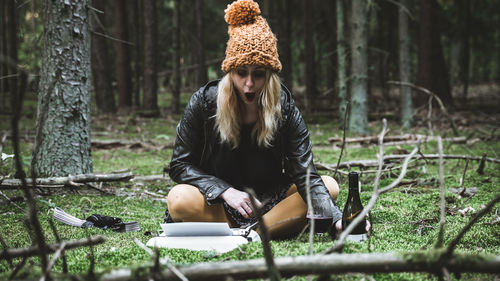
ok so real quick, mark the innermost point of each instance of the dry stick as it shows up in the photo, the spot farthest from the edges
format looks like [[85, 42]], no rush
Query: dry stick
[[53, 262], [58, 240], [17, 100], [371, 203], [72, 179], [51, 248], [317, 264], [18, 267], [463, 178], [274, 274], [171, 267], [5, 247], [338, 247], [12, 202], [429, 116], [439, 242], [480, 169], [92, 257], [477, 216], [441, 105], [343, 139], [310, 211]]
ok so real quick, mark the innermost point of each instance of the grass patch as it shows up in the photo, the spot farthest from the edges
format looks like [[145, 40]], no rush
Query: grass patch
[[404, 220]]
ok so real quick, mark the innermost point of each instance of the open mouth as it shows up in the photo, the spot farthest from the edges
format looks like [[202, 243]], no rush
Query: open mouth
[[250, 96]]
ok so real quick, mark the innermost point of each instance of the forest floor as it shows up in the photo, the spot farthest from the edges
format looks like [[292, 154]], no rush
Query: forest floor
[[404, 220]]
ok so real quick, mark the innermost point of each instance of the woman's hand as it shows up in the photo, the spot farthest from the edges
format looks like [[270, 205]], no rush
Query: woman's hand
[[338, 226], [240, 201]]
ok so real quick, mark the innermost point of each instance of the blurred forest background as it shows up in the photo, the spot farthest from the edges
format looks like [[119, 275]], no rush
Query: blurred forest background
[[141, 49]]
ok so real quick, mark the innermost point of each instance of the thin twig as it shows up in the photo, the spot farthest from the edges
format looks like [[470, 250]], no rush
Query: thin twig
[[274, 274], [169, 265], [12, 202], [440, 102], [480, 214], [462, 181], [429, 116], [439, 242], [310, 212], [58, 240], [343, 139], [18, 267], [5, 247], [52, 262]]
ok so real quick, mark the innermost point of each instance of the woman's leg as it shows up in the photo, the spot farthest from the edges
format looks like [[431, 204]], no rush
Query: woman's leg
[[288, 217], [186, 203]]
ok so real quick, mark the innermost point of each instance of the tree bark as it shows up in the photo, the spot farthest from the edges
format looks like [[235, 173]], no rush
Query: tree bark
[[432, 72], [62, 144], [465, 7], [11, 46], [285, 41], [138, 50], [310, 67], [123, 71], [358, 121], [3, 53], [405, 64], [341, 59], [200, 36], [176, 89], [150, 80], [101, 70], [319, 264]]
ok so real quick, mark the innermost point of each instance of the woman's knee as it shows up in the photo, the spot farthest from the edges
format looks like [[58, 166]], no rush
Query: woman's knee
[[332, 186], [183, 199]]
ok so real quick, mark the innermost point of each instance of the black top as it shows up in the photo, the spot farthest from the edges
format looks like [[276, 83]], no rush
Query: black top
[[248, 165]]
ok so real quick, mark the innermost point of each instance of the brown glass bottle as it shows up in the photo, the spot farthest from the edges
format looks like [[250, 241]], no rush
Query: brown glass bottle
[[353, 206]]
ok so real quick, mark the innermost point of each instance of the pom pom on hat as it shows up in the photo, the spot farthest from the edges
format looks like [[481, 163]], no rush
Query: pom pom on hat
[[251, 41], [242, 12]]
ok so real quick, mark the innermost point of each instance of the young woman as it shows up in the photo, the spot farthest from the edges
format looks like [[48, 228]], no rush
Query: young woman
[[244, 131]]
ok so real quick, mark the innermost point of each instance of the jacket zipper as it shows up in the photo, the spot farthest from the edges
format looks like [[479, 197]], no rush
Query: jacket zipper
[[205, 141]]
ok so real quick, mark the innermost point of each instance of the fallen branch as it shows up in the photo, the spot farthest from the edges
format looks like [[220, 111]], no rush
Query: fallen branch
[[33, 251], [441, 105], [318, 264], [399, 138], [69, 180]]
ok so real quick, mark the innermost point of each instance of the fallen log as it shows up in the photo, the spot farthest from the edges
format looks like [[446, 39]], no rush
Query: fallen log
[[396, 157], [401, 139], [69, 180], [320, 264], [52, 248]]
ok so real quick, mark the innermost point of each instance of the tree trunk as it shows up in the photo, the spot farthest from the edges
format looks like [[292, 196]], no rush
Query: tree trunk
[[123, 75], [331, 61], [5, 12], [405, 64], [310, 68], [101, 69], [432, 73], [341, 59], [176, 89], [11, 46], [62, 144], [200, 35], [138, 50], [358, 121], [465, 7], [150, 86], [285, 41]]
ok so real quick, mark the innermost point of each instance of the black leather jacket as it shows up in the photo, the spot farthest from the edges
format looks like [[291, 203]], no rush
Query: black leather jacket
[[196, 134]]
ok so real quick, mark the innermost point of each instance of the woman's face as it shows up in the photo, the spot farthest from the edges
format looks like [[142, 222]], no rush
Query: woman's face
[[249, 81]]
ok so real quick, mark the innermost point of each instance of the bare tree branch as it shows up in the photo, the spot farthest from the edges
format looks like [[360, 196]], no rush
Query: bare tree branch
[[319, 264], [343, 139], [51, 248], [274, 274], [439, 242], [480, 214]]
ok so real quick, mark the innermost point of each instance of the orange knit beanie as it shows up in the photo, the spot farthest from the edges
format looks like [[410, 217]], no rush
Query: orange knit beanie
[[251, 41]]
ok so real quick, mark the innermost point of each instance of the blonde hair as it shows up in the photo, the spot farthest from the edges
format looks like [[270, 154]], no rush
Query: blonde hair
[[228, 116]]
